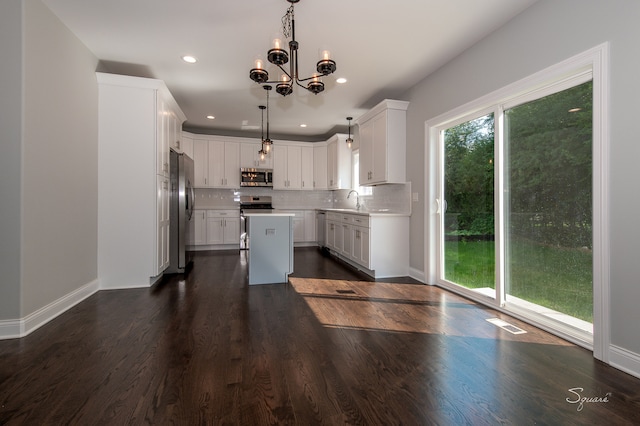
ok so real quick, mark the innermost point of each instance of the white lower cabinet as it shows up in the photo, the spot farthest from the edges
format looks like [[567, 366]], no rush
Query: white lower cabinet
[[298, 229], [304, 225], [215, 227], [361, 246], [199, 236], [223, 227], [376, 244], [310, 226]]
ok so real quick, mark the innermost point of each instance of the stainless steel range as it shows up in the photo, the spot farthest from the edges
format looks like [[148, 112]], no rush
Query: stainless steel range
[[254, 204]]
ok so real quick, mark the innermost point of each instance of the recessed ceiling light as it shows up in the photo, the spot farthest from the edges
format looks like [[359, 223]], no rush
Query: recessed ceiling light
[[189, 59], [210, 117], [303, 125], [341, 80]]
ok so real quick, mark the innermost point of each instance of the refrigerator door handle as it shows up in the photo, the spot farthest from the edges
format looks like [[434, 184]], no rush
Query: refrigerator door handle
[[190, 200]]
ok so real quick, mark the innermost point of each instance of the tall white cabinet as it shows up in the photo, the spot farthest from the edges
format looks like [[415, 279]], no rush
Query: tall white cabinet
[[138, 123]]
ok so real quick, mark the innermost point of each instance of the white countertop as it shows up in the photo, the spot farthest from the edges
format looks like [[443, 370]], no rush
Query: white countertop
[[274, 213], [366, 212]]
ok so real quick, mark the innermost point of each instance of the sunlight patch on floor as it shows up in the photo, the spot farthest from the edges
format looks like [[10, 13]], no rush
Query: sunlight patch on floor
[[404, 308]]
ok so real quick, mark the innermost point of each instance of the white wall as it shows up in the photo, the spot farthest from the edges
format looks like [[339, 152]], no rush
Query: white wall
[[10, 159], [547, 33]]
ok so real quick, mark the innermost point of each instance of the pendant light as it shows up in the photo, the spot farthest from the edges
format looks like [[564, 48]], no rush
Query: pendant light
[[262, 152], [349, 139], [266, 143]]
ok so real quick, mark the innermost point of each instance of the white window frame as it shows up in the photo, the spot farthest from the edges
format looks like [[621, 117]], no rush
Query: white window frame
[[593, 64]]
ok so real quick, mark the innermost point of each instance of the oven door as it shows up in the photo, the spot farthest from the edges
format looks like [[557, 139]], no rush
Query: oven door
[[244, 236]]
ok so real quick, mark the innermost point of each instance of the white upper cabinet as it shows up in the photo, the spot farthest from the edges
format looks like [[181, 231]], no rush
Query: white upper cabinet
[[224, 164], [186, 144], [306, 170], [338, 162], [216, 163], [250, 159], [169, 129], [201, 162], [383, 141], [320, 166], [287, 166]]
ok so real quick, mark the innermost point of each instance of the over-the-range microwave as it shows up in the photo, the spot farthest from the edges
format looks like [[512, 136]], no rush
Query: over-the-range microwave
[[256, 177]]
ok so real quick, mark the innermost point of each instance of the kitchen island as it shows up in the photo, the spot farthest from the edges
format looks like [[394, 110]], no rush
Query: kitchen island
[[271, 247]]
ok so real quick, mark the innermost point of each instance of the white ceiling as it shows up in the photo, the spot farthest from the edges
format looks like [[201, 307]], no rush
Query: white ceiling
[[383, 48]]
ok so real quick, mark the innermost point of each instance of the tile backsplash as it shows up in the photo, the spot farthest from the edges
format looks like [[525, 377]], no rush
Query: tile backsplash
[[395, 198], [392, 198]]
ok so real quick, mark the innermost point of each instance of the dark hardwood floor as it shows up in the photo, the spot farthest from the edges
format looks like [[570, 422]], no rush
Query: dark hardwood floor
[[330, 347]]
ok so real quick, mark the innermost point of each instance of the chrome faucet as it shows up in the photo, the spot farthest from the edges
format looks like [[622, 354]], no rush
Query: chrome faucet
[[357, 198]]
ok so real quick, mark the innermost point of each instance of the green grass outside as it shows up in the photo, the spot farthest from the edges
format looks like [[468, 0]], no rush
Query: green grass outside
[[553, 277]]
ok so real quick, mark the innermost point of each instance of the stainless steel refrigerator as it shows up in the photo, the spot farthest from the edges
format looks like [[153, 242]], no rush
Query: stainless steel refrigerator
[[180, 212]]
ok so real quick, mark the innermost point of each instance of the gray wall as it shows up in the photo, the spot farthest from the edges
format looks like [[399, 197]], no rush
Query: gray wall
[[547, 33], [10, 159], [60, 200], [52, 142]]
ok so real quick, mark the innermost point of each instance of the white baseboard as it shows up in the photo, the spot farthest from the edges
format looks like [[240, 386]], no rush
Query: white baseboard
[[11, 329], [417, 275], [624, 360]]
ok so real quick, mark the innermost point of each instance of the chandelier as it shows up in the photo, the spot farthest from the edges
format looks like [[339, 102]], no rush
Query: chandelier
[[279, 57], [266, 143]]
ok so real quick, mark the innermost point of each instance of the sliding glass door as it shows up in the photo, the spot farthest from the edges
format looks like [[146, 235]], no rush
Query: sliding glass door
[[548, 205], [468, 220], [515, 204]]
